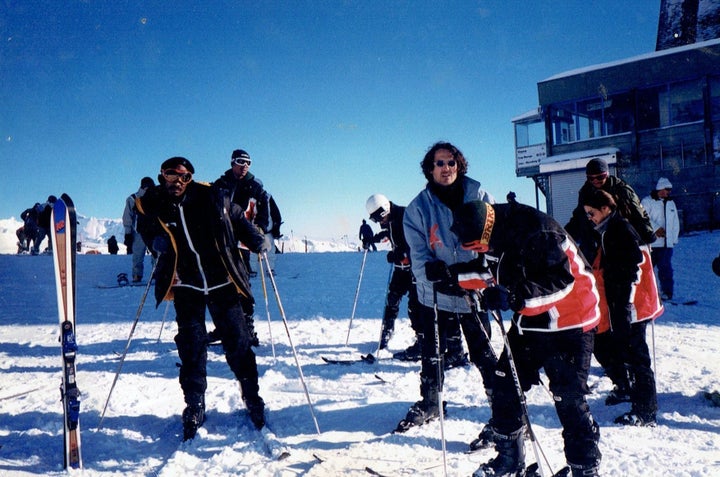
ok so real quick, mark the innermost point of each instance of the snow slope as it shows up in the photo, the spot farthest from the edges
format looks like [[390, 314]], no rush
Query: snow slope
[[141, 433]]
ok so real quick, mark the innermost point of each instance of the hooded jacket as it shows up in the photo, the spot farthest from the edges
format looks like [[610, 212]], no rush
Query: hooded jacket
[[203, 228], [623, 268], [663, 213], [539, 264], [427, 223]]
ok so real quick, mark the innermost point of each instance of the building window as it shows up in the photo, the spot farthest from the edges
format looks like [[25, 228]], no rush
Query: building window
[[715, 98], [529, 134], [686, 102], [650, 102], [592, 118]]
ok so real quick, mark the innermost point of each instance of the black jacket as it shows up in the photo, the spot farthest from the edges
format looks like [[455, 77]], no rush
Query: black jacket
[[202, 228], [250, 195], [396, 233]]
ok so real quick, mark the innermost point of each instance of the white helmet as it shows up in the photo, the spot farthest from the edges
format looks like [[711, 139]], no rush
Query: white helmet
[[377, 206]]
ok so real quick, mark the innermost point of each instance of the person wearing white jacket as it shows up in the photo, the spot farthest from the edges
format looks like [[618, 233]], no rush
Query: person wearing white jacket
[[666, 224]]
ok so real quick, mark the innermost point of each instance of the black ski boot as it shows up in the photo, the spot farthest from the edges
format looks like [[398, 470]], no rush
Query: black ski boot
[[412, 353], [388, 327], [588, 470], [193, 417], [617, 395], [510, 461], [253, 402], [418, 414], [484, 440], [256, 410]]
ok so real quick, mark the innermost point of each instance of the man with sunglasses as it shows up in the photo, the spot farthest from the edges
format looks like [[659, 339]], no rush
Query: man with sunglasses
[[246, 190], [434, 248], [598, 176], [194, 229]]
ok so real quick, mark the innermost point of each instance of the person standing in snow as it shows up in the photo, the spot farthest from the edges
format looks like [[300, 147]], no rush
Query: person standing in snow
[[246, 190], [538, 273], [666, 223], [194, 229], [133, 240], [390, 218], [598, 176], [624, 272], [434, 247], [366, 236]]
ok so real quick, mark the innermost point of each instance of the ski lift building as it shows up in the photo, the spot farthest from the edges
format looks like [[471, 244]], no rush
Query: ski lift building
[[650, 116]]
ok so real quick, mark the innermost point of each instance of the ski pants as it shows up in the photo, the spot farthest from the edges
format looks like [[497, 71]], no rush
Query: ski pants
[[625, 350], [138, 256], [449, 324], [662, 259], [226, 311], [401, 284], [565, 357]]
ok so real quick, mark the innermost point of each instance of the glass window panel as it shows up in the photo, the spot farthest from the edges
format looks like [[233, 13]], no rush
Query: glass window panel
[[686, 102]]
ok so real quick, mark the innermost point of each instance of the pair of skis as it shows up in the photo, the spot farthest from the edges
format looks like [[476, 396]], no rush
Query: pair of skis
[[63, 235]]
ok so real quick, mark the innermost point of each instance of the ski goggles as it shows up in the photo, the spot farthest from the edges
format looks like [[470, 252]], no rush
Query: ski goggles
[[242, 162], [378, 215], [171, 175]]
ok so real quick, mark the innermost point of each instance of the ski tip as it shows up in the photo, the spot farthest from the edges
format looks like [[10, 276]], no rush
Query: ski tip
[[368, 358]]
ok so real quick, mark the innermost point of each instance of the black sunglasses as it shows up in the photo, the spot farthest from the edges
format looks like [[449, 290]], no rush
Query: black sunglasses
[[451, 163]]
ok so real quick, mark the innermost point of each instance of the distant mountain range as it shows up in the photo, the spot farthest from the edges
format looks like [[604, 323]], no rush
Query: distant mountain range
[[93, 234]]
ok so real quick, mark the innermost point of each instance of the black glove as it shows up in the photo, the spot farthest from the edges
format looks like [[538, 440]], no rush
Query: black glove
[[437, 271], [276, 231], [443, 279], [161, 244], [391, 256], [129, 240], [500, 298]]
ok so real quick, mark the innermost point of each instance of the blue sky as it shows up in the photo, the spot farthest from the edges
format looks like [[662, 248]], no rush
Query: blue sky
[[334, 100]]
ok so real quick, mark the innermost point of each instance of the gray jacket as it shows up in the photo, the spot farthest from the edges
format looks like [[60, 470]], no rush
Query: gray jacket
[[427, 224]]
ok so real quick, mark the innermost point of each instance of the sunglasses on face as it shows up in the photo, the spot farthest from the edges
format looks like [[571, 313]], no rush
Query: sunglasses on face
[[378, 215], [172, 175], [597, 177], [242, 162], [451, 163]]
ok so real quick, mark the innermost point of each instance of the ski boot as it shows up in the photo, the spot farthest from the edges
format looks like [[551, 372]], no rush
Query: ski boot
[[458, 360], [193, 418], [588, 470], [634, 418], [510, 461], [484, 440], [418, 414], [256, 410], [617, 395], [412, 353], [122, 279]]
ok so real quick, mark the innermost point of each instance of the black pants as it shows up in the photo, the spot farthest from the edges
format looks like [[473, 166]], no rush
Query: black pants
[[565, 356], [401, 284], [227, 313], [478, 344]]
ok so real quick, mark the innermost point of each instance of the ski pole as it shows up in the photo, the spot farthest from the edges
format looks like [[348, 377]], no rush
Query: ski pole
[[521, 395], [127, 345], [382, 323], [292, 346], [162, 324], [267, 308], [357, 292], [441, 411]]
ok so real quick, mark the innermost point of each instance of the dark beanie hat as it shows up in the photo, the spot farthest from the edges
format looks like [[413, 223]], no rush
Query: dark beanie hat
[[177, 161], [474, 221], [596, 166], [240, 154], [146, 182]]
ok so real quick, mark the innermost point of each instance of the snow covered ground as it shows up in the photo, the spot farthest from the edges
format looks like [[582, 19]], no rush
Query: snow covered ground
[[356, 411]]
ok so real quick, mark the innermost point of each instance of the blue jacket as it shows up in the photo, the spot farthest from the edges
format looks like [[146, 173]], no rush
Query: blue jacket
[[427, 224]]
